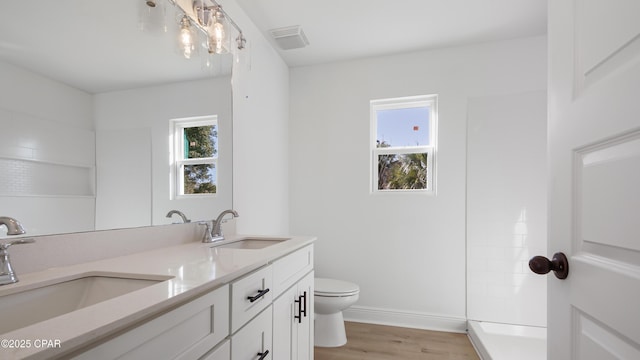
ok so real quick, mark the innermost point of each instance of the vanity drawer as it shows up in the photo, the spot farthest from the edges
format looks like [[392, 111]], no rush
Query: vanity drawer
[[254, 340], [187, 332], [249, 295], [291, 268]]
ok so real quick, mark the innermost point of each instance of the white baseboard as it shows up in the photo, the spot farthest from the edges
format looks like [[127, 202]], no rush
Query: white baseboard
[[407, 319]]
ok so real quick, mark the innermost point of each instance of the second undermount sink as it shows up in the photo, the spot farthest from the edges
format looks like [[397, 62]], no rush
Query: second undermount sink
[[45, 302], [251, 243]]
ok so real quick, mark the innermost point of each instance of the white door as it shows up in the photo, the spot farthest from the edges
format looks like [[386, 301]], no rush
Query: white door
[[594, 199]]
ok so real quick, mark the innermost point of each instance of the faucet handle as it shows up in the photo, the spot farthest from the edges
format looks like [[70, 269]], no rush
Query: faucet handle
[[207, 238], [5, 246]]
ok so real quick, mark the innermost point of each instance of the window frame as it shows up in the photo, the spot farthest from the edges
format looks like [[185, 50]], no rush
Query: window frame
[[178, 161], [429, 101]]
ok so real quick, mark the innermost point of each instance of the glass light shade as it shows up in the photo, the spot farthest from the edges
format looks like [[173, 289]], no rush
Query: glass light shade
[[187, 38], [219, 35], [152, 15], [209, 63]]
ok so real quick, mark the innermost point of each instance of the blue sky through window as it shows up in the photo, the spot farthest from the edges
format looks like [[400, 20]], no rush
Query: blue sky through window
[[404, 127]]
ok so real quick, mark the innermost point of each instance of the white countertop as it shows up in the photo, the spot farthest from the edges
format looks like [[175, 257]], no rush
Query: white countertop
[[194, 268]]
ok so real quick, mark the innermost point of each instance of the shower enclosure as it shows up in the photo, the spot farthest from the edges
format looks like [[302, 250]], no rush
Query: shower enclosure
[[506, 225]]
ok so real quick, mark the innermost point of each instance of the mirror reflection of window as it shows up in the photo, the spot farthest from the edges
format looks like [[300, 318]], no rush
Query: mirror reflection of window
[[195, 156]]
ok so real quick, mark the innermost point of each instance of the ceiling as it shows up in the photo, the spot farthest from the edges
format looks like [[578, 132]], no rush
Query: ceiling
[[96, 46], [346, 29]]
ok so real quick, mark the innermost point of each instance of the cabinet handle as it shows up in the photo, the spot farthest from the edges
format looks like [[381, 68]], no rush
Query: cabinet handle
[[299, 316], [304, 303], [260, 294], [263, 354]]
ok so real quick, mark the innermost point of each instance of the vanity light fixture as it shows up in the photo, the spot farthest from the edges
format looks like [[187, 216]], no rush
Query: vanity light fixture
[[205, 16]]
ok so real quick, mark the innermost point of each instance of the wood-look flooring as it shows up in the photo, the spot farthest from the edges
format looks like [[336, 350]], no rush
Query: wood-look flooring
[[378, 342]]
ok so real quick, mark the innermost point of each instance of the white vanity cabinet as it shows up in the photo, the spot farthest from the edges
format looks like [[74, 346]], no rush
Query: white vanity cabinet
[[293, 308], [264, 315], [187, 332]]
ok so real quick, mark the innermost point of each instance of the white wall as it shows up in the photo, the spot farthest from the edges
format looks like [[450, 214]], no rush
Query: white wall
[[133, 151], [123, 178], [260, 134], [407, 252], [506, 208], [47, 153]]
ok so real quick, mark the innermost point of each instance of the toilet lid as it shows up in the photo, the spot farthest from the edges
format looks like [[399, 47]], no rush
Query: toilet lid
[[331, 287]]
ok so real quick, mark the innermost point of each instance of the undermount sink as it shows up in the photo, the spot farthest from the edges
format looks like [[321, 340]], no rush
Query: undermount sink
[[48, 301], [251, 243]]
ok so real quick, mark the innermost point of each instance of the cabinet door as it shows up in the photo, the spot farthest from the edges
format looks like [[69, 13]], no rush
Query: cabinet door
[[304, 338], [284, 325], [293, 322], [254, 340]]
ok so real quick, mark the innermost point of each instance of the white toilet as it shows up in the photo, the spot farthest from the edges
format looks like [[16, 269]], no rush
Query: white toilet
[[331, 297]]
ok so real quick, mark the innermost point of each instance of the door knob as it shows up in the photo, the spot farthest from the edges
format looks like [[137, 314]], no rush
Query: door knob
[[558, 264]]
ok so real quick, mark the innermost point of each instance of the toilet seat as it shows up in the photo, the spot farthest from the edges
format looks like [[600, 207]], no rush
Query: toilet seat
[[334, 288]]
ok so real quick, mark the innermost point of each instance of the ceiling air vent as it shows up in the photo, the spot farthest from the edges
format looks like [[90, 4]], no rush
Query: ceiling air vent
[[290, 37]]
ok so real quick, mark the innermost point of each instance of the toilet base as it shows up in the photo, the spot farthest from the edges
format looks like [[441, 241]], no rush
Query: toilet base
[[329, 330]]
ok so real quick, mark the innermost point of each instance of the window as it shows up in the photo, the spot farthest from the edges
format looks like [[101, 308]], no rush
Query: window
[[195, 156], [403, 144]]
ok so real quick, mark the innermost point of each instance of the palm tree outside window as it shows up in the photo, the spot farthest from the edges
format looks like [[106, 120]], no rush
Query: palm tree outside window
[[403, 144]]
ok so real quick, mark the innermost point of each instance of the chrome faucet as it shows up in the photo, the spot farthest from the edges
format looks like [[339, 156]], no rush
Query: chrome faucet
[[216, 232], [7, 275], [13, 226], [179, 213]]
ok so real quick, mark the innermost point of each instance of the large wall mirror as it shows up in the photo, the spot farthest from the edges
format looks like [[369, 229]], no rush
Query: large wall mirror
[[88, 106]]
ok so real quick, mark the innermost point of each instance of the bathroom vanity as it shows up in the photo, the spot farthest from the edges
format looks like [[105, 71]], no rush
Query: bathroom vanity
[[245, 298]]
